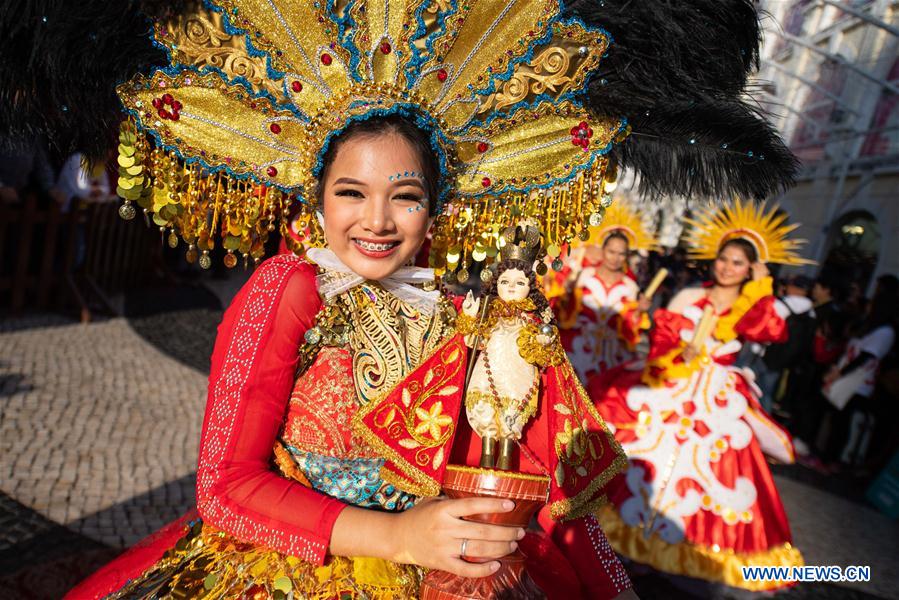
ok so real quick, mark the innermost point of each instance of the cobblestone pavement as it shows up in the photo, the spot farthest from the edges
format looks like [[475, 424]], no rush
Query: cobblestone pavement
[[99, 431], [99, 427]]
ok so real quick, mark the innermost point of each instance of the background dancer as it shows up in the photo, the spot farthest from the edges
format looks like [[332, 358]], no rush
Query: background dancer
[[601, 316], [699, 498]]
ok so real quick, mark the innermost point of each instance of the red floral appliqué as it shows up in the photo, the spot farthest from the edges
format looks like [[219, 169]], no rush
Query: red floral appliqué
[[581, 134], [173, 112]]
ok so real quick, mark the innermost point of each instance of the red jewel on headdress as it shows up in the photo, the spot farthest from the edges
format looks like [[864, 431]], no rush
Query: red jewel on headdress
[[275, 128], [482, 147], [385, 47], [326, 59], [442, 74], [296, 86], [271, 171], [581, 134], [486, 182], [167, 100]]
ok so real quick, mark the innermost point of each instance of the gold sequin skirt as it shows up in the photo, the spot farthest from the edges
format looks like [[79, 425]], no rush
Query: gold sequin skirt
[[208, 563]]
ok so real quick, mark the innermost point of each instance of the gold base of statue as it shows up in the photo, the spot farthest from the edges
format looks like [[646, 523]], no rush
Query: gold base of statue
[[511, 581]]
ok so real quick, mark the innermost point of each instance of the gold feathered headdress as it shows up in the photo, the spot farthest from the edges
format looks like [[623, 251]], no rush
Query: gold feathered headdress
[[256, 90], [621, 218], [765, 229]]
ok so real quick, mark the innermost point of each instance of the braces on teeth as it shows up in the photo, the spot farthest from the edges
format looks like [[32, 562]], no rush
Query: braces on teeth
[[375, 247]]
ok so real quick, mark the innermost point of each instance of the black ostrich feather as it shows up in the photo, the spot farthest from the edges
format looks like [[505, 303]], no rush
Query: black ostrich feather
[[60, 63], [677, 71], [709, 148]]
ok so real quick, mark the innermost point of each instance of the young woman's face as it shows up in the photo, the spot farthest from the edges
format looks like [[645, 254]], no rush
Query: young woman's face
[[375, 205], [732, 267], [614, 254], [512, 285]]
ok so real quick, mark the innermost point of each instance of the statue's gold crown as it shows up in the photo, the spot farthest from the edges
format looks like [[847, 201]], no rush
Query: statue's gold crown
[[522, 242]]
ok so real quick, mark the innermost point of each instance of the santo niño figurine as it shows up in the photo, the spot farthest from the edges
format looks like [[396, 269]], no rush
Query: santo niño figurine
[[530, 433], [516, 339]]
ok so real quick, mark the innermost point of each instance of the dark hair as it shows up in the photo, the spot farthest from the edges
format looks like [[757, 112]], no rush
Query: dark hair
[[386, 125], [888, 285], [882, 309], [536, 294], [827, 281], [617, 235], [743, 244]]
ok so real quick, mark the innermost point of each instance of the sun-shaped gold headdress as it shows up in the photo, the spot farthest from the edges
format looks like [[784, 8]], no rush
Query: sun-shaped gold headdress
[[621, 218], [256, 90], [765, 229]]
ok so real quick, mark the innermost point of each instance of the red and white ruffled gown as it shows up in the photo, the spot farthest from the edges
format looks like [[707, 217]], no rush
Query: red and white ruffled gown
[[699, 499], [599, 324]]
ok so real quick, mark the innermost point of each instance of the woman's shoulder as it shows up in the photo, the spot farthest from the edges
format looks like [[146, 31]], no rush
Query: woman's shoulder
[[283, 276], [289, 264], [685, 298]]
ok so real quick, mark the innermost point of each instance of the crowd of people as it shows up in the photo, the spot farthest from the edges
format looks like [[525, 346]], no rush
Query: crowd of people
[[810, 365], [33, 171]]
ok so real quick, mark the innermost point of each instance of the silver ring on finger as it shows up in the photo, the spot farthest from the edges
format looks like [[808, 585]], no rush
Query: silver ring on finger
[[464, 547]]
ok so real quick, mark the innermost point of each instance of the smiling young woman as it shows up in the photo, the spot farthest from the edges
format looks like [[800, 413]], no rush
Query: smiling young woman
[[326, 502], [377, 191], [603, 316]]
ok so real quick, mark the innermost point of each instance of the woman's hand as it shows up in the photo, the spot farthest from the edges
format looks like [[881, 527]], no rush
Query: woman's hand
[[759, 271], [690, 353], [471, 305], [643, 304], [431, 535]]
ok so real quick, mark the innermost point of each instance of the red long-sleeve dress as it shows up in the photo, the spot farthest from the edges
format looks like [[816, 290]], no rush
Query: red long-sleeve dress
[[699, 498], [281, 456]]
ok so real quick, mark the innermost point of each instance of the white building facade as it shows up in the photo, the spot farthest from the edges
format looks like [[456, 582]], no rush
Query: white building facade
[[830, 79]]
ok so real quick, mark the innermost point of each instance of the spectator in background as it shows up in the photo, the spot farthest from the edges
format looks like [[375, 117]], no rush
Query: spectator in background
[[852, 425], [808, 403], [825, 295], [77, 179], [28, 169], [810, 407], [789, 364]]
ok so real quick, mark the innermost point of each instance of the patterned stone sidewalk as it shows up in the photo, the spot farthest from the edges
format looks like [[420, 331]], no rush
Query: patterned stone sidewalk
[[99, 427]]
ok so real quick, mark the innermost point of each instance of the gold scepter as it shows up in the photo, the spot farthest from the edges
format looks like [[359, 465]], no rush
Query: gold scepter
[[488, 455], [653, 286]]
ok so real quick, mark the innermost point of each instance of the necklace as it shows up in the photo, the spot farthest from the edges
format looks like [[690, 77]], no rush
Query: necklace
[[522, 402]]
